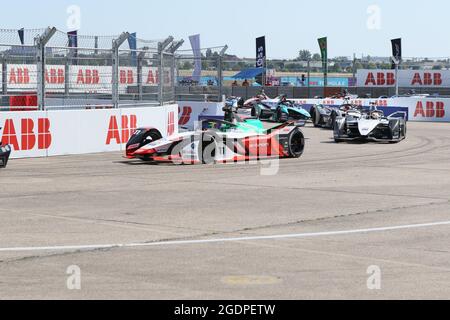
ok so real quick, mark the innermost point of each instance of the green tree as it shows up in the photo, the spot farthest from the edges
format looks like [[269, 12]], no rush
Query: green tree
[[304, 55], [316, 57]]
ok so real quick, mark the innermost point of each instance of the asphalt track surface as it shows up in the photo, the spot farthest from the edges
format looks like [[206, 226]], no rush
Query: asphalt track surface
[[311, 231]]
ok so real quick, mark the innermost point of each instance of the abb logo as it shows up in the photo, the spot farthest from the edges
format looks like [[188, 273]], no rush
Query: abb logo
[[126, 77], [88, 76], [19, 76], [54, 76], [429, 79], [185, 116], [152, 79], [381, 103], [129, 125], [27, 135], [171, 123], [380, 79], [431, 110]]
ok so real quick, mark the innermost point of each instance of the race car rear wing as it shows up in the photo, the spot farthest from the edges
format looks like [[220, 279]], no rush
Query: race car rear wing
[[398, 114]]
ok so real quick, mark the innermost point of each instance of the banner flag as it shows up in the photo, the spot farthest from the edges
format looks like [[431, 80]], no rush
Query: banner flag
[[261, 52], [195, 44], [132, 42], [323, 44], [22, 36], [396, 51], [73, 43]]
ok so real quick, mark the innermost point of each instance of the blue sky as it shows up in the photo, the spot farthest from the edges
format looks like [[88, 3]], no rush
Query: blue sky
[[289, 25]]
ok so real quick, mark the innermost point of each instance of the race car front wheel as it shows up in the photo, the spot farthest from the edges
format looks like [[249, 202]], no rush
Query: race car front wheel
[[207, 149], [296, 143], [281, 116]]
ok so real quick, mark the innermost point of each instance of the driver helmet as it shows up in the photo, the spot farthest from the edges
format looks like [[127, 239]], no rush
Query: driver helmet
[[375, 115]]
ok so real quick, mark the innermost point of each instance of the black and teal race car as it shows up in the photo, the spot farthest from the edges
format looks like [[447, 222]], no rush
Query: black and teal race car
[[5, 151], [278, 110]]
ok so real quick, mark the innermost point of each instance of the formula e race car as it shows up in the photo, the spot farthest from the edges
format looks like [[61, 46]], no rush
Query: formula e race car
[[278, 110], [370, 125], [325, 116], [219, 141], [5, 151]]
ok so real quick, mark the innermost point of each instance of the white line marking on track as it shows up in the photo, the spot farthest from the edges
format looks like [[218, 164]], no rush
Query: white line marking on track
[[205, 241]]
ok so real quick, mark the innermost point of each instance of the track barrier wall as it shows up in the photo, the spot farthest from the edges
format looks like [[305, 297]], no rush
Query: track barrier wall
[[68, 132], [418, 109]]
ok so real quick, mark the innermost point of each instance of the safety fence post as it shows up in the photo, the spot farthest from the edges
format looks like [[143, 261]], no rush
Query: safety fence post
[[115, 67], [41, 42]]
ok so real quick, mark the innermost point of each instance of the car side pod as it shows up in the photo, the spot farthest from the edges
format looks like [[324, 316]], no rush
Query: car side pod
[[5, 152]]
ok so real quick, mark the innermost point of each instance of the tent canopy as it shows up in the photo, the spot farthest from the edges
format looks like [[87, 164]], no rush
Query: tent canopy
[[249, 73]]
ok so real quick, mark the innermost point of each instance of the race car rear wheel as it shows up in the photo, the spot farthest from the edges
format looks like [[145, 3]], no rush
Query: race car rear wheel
[[296, 143], [333, 118]]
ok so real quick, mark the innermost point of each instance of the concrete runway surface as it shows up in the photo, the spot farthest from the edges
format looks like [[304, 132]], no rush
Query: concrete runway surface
[[312, 231]]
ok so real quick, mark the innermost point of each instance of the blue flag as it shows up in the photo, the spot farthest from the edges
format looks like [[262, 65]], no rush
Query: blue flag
[[132, 42]]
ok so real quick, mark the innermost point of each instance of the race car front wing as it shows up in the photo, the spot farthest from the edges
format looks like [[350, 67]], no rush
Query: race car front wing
[[5, 152]]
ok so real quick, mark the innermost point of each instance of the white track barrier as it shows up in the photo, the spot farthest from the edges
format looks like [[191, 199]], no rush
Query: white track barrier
[[64, 132], [190, 111]]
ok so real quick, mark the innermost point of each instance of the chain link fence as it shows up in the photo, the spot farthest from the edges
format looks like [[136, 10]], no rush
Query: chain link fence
[[298, 78], [45, 70]]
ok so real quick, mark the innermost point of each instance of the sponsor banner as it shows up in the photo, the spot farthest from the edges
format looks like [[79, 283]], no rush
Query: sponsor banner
[[261, 52], [396, 51], [406, 78], [52, 133], [82, 79], [418, 109], [429, 109], [190, 112]]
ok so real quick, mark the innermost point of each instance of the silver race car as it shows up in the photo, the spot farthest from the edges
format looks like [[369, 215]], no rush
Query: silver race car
[[325, 116], [370, 125]]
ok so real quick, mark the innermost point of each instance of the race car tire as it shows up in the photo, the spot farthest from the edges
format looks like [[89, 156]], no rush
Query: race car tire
[[296, 143], [333, 118], [281, 117], [4, 157], [312, 112], [315, 118], [404, 130], [146, 138], [255, 113], [394, 124], [207, 148]]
